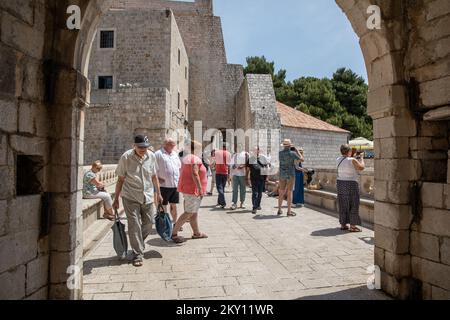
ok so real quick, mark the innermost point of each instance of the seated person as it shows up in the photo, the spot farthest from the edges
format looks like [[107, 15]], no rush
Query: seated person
[[93, 189]]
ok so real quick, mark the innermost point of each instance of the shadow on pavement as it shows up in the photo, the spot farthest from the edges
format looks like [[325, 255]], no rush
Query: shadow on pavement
[[89, 265], [368, 240], [332, 232], [272, 217], [359, 293]]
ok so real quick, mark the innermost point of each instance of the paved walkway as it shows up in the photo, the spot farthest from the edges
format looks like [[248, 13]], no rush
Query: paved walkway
[[246, 257]]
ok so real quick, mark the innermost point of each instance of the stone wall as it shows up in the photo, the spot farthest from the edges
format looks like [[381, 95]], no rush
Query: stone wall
[[322, 148], [256, 109], [24, 129], [110, 127]]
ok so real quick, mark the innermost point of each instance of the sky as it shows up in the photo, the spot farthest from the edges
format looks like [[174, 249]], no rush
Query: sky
[[305, 37]]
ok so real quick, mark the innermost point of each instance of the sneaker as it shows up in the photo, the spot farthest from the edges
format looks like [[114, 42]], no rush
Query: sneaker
[[254, 211], [242, 206], [233, 206], [259, 208]]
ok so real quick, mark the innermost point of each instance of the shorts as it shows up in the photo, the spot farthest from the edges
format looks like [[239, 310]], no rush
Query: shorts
[[191, 203], [170, 195], [287, 184]]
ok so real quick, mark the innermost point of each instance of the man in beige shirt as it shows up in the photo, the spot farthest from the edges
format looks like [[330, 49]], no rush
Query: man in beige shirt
[[139, 187]]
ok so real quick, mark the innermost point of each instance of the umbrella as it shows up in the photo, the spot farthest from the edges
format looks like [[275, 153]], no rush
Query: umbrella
[[120, 241], [361, 143]]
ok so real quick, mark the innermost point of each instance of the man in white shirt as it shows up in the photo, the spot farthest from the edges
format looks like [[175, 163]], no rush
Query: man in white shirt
[[239, 174], [169, 166]]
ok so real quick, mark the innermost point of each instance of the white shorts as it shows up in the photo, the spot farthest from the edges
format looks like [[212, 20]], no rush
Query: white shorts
[[191, 203]]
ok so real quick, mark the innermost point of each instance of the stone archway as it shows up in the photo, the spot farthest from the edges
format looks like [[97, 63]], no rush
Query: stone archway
[[389, 104]]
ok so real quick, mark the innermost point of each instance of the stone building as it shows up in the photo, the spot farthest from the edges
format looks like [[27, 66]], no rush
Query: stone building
[[319, 139], [45, 90], [139, 73]]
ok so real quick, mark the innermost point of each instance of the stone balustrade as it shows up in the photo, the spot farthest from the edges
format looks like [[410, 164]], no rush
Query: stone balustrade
[[327, 178], [107, 176]]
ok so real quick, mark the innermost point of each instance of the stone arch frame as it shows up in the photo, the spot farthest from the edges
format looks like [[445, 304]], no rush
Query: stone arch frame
[[383, 51]]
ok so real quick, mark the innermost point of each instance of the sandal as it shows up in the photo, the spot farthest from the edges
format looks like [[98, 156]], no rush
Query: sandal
[[292, 214], [355, 229], [138, 262], [279, 213], [178, 240], [344, 228], [200, 236]]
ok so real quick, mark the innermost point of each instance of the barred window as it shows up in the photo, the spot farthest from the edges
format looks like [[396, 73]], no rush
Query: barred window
[[105, 82], [107, 39]]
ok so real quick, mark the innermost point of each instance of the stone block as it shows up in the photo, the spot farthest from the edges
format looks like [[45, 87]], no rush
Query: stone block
[[435, 93], [398, 169], [379, 257], [420, 143], [395, 126], [445, 251], [25, 214], [22, 37], [425, 245], [433, 195], [37, 274], [41, 294], [394, 148], [434, 221], [20, 248], [391, 240], [29, 145], [439, 293], [66, 237], [13, 284], [431, 272], [3, 218], [433, 129], [33, 80], [386, 100], [61, 261], [397, 217], [21, 9], [437, 9], [8, 120], [27, 116], [10, 80], [6, 189], [397, 265]]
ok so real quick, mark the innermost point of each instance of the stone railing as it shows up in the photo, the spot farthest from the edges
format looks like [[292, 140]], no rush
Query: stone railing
[[327, 178], [94, 226]]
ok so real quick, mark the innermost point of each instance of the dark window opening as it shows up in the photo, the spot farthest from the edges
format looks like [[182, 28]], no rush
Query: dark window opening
[[179, 101], [106, 39], [105, 82], [29, 175], [179, 56]]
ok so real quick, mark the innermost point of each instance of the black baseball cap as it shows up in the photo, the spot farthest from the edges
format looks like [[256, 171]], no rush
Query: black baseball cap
[[141, 141]]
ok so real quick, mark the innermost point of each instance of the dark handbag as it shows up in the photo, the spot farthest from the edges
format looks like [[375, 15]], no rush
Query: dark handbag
[[120, 241], [163, 224]]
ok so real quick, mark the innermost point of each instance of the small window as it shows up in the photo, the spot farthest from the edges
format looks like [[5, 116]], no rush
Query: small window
[[179, 56], [179, 101], [107, 39], [29, 175], [105, 82]]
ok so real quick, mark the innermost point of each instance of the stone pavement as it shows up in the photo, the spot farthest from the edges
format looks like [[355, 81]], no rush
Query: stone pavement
[[247, 257]]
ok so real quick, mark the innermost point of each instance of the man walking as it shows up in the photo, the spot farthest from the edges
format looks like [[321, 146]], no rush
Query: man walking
[[223, 159], [139, 187], [288, 157], [169, 166], [257, 164], [238, 174]]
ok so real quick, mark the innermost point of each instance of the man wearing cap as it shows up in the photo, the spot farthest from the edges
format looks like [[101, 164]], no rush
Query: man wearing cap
[[139, 187], [288, 158]]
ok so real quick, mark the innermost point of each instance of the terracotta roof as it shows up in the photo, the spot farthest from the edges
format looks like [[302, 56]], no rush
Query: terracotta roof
[[293, 118]]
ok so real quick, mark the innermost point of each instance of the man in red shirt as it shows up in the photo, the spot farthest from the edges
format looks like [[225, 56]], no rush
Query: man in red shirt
[[223, 159]]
